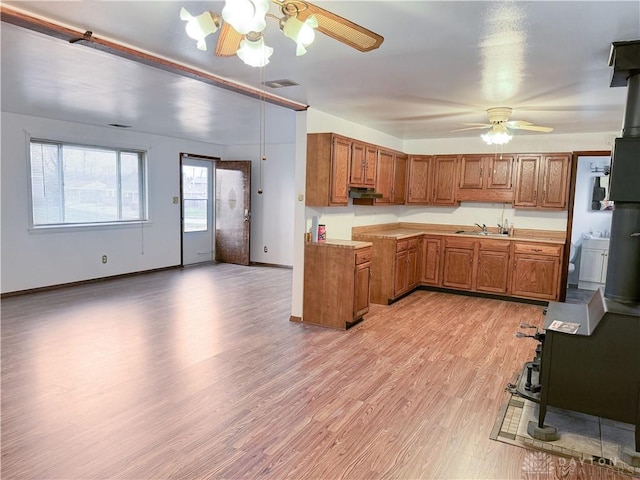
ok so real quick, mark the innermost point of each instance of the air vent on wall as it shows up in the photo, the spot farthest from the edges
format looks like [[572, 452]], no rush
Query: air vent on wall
[[280, 83]]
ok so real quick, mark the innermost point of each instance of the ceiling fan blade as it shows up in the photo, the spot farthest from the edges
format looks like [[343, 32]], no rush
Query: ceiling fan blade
[[533, 128], [333, 25], [472, 128], [228, 41], [516, 123]]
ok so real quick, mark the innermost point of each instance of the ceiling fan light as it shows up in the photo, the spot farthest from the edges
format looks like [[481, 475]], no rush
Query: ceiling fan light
[[246, 15], [493, 137], [302, 33], [198, 27], [254, 52]]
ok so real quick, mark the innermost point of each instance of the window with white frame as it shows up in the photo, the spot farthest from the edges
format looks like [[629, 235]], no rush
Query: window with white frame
[[78, 184]]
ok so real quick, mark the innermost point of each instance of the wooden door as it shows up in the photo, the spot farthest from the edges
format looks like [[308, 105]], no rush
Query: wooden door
[[431, 260], [555, 181], [492, 271], [420, 190], [526, 194], [233, 211], [384, 175], [499, 172], [361, 292], [458, 268], [371, 158], [339, 180], [471, 172], [535, 276], [399, 179], [357, 168], [444, 179]]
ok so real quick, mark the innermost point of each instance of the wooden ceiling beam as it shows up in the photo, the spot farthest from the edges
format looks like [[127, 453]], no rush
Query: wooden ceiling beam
[[26, 20]]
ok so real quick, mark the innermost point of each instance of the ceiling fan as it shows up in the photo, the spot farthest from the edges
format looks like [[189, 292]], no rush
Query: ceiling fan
[[241, 33], [499, 126]]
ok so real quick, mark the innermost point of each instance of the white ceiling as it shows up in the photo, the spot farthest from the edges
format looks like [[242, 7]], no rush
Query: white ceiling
[[441, 63]]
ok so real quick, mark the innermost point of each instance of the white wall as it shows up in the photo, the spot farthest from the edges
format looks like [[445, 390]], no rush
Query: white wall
[[33, 259]]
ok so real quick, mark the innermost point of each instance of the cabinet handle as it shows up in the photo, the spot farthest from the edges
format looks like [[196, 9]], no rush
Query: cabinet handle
[[536, 249]]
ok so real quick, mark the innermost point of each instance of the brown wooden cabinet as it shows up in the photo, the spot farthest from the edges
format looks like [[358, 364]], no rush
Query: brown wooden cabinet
[[536, 270], [328, 162], [391, 177], [430, 260], [542, 181], [486, 178], [406, 266], [445, 174], [420, 190], [336, 283], [492, 266], [432, 180], [363, 165], [458, 260]]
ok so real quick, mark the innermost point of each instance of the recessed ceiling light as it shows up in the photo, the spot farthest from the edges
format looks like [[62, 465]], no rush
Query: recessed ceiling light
[[119, 125], [280, 83]]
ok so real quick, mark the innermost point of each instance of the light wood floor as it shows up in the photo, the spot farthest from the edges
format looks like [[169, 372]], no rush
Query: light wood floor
[[198, 373]]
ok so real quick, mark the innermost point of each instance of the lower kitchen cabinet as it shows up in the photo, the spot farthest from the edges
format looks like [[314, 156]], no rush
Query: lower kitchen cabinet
[[430, 260], [492, 266], [458, 263], [406, 269], [336, 283], [536, 270]]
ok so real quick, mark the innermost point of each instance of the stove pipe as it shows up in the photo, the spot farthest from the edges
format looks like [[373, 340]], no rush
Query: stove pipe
[[623, 272]]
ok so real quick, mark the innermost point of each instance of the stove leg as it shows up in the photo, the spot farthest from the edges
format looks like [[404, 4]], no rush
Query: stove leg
[[539, 430]]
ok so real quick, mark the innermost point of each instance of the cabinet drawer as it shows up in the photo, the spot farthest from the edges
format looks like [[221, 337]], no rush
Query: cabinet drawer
[[538, 249], [495, 245], [363, 256], [452, 242], [412, 243], [401, 245]]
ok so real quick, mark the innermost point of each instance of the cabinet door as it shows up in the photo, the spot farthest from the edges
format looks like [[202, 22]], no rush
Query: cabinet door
[[401, 272], [444, 179], [356, 174], [384, 176], [430, 272], [340, 159], [412, 268], [420, 190], [471, 173], [499, 172], [492, 271], [535, 276], [458, 268], [361, 293], [591, 265], [555, 181], [399, 179], [371, 157], [526, 194]]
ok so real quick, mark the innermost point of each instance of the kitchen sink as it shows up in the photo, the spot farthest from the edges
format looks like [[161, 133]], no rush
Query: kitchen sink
[[481, 234]]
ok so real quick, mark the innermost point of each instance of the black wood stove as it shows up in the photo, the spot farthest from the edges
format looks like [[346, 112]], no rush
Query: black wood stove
[[588, 357]]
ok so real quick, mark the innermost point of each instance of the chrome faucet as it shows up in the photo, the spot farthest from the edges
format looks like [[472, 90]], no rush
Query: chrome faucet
[[482, 227]]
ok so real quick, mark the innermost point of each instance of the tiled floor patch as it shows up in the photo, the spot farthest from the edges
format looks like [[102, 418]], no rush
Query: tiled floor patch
[[582, 437]]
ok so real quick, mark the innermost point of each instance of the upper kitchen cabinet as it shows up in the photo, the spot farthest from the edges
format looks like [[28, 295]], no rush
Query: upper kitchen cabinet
[[328, 162], [542, 181], [363, 165], [432, 179], [486, 178], [391, 176]]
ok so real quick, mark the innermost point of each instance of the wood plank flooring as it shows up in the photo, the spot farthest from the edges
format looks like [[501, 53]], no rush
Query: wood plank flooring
[[198, 373]]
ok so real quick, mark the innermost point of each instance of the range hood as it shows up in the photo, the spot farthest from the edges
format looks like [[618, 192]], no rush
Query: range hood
[[357, 192]]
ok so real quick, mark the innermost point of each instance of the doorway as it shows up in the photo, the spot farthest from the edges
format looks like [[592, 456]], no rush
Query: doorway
[[198, 217]]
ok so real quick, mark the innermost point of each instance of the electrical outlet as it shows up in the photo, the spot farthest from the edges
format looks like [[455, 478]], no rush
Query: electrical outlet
[[265, 249], [104, 259]]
